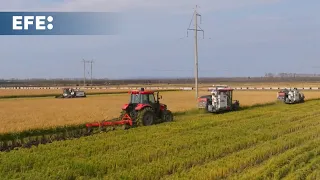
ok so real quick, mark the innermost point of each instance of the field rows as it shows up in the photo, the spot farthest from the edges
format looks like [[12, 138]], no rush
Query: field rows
[[30, 113], [271, 142]]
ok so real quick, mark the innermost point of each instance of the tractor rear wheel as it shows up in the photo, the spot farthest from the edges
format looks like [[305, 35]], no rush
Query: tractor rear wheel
[[146, 117], [167, 116]]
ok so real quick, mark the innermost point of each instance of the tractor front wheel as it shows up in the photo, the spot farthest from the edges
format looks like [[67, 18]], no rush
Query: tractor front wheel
[[145, 117]]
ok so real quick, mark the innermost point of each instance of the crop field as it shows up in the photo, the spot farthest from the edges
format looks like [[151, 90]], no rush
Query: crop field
[[270, 84], [204, 86], [241, 84], [30, 113], [263, 142], [26, 92]]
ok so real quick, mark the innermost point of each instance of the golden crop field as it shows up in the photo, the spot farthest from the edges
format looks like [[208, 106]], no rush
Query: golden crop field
[[243, 84], [24, 92], [234, 84], [29, 113], [275, 84]]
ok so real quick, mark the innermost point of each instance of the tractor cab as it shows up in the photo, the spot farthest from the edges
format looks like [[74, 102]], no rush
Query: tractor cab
[[141, 98], [142, 101], [282, 94]]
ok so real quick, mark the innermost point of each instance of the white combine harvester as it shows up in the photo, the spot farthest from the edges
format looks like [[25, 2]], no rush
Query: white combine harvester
[[219, 100], [71, 93], [290, 96]]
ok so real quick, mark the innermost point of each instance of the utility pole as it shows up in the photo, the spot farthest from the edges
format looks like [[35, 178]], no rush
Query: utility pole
[[84, 71], [91, 70], [195, 29]]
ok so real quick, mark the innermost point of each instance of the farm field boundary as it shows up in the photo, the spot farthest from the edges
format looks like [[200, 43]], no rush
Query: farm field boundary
[[106, 88], [270, 88], [88, 93], [28, 138], [158, 88]]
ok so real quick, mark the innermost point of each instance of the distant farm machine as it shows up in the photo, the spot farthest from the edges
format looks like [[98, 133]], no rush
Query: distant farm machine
[[290, 96], [71, 93], [144, 109], [220, 100]]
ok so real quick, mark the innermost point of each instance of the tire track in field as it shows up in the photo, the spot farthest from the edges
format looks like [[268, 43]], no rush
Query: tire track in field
[[169, 136], [129, 143], [203, 126], [300, 119], [227, 120], [200, 143], [311, 162], [314, 175], [221, 169], [270, 168]]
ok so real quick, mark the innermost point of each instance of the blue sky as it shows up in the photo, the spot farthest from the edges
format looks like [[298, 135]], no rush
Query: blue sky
[[247, 38]]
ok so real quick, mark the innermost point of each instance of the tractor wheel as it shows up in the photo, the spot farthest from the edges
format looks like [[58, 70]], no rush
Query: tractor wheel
[[167, 116], [146, 117]]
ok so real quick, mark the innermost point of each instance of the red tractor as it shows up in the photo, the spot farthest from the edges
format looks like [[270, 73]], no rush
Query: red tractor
[[144, 109]]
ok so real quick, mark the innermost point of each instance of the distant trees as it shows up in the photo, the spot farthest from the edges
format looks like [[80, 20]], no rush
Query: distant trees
[[291, 75]]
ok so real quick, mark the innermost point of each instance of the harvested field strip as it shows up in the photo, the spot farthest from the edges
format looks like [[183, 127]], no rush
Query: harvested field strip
[[237, 145], [29, 138]]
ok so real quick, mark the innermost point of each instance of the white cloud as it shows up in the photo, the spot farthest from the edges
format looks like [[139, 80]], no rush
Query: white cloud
[[167, 6]]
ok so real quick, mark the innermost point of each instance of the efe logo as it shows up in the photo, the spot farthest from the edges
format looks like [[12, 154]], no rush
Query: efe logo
[[23, 22]]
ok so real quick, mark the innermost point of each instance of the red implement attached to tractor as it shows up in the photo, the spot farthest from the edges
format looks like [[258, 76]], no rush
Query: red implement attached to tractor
[[144, 109]]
